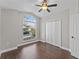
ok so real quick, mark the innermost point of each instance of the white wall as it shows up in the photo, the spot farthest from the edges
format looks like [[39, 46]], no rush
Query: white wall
[[73, 5], [11, 22], [43, 30], [10, 29], [64, 17], [0, 30], [74, 8], [65, 30]]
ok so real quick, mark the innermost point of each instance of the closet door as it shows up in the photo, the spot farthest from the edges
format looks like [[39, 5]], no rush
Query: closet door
[[53, 33], [50, 32], [58, 40], [74, 35]]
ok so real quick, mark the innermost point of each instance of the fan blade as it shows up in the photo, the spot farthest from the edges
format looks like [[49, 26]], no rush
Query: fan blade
[[53, 5], [48, 10], [39, 5], [40, 10]]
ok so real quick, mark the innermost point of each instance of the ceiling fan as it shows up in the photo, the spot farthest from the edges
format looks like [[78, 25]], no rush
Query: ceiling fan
[[44, 6]]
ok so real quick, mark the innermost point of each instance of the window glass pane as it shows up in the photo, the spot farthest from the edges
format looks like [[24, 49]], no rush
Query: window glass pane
[[29, 19], [29, 27]]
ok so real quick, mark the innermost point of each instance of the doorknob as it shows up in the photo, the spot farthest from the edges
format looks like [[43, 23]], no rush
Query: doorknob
[[72, 36]]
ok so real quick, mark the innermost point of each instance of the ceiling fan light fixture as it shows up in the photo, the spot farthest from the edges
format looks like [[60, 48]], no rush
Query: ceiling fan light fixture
[[44, 7]]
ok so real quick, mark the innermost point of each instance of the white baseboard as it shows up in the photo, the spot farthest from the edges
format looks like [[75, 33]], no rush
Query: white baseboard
[[42, 40], [66, 49], [60, 47], [70, 52], [6, 50], [10, 49], [74, 55], [27, 43]]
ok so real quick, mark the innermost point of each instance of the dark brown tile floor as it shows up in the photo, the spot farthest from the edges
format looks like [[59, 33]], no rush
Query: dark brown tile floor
[[37, 50]]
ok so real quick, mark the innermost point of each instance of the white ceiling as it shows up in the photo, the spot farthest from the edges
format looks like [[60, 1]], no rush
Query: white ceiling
[[29, 5]]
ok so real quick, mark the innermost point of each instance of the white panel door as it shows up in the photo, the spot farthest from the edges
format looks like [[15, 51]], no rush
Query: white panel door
[[53, 33], [74, 35], [50, 32], [58, 40]]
